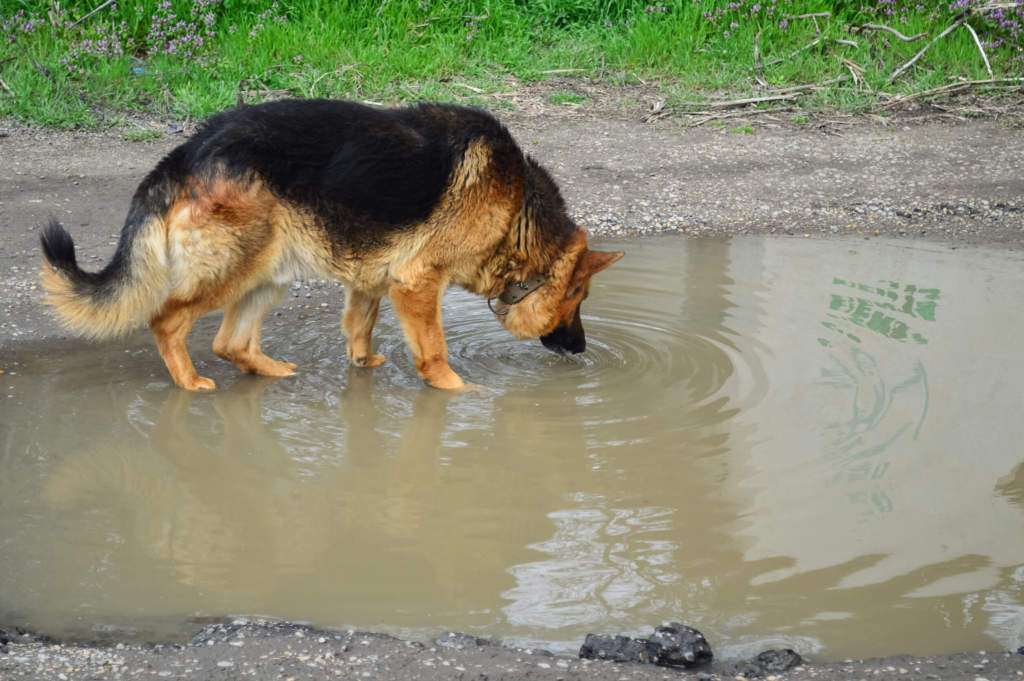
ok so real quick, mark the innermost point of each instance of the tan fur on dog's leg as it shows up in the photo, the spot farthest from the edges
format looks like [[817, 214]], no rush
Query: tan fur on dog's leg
[[357, 322], [171, 328], [238, 339], [419, 309]]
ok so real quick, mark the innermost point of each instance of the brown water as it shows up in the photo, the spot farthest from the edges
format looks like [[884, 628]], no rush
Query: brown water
[[815, 444]]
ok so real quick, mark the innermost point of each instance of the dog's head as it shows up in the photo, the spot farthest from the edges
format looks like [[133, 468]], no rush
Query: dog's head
[[552, 312]]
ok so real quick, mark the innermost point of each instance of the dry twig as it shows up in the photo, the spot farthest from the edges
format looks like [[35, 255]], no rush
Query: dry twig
[[977, 41], [469, 87], [735, 114], [952, 27], [758, 66], [856, 71], [794, 53], [809, 86], [953, 88], [103, 6], [733, 103], [881, 27]]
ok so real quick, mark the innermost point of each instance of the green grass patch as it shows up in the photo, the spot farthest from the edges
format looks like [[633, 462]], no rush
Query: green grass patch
[[189, 59], [566, 97], [142, 135]]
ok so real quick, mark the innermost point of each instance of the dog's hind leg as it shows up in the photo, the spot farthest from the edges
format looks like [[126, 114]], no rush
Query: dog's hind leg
[[171, 327], [360, 315], [418, 307], [238, 339]]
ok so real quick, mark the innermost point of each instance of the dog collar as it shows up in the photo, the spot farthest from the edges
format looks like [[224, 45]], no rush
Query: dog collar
[[516, 291]]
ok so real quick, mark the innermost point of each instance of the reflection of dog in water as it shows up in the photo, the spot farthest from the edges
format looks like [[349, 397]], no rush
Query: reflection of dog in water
[[399, 202]]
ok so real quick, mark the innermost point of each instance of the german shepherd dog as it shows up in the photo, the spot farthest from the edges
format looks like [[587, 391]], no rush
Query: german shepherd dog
[[402, 202]]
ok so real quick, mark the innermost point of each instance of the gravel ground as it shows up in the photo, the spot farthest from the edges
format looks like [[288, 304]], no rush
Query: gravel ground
[[260, 649], [949, 183]]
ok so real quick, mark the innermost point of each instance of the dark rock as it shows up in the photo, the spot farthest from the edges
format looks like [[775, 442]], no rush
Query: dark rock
[[5, 637], [748, 670], [672, 645], [774, 661], [617, 649], [677, 645], [459, 641], [769, 662], [1020, 651]]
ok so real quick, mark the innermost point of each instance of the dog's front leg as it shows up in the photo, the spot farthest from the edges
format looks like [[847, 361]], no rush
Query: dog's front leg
[[360, 315], [418, 306]]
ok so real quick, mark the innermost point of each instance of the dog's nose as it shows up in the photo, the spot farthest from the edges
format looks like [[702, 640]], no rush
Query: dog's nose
[[564, 342]]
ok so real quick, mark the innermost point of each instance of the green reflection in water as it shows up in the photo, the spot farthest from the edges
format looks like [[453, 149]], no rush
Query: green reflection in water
[[882, 311], [884, 395]]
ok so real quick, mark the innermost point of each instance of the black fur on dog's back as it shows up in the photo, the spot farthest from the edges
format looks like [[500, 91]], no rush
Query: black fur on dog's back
[[363, 172]]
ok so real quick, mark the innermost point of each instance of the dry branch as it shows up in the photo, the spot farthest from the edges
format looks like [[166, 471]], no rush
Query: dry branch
[[952, 88], [794, 53], [103, 6], [856, 71], [881, 27], [952, 27], [469, 87], [733, 103], [809, 86], [977, 41], [758, 66], [735, 114]]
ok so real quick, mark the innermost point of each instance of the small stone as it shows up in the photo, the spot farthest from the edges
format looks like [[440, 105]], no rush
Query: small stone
[[225, 664], [772, 662], [458, 641]]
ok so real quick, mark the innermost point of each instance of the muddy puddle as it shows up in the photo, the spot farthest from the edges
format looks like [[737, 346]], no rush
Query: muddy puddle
[[781, 442]]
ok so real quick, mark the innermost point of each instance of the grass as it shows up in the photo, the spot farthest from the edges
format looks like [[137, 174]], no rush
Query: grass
[[141, 135], [566, 97], [136, 56]]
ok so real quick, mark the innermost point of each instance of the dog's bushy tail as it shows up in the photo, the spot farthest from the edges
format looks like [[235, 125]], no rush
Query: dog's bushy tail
[[122, 296]]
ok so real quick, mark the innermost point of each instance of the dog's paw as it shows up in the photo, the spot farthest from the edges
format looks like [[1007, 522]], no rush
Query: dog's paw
[[199, 384], [369, 361], [449, 381]]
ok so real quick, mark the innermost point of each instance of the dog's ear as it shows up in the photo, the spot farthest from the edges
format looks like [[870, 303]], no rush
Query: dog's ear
[[595, 261]]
